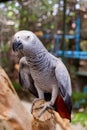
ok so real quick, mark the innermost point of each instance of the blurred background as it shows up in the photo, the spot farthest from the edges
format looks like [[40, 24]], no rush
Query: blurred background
[[62, 27]]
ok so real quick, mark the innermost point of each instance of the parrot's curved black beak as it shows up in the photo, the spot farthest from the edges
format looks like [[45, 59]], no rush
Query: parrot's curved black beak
[[17, 45]]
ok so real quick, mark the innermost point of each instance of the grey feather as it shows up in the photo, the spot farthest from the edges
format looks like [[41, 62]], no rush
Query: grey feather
[[25, 78]]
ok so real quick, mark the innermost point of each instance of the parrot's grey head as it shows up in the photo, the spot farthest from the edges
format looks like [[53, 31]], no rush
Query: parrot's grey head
[[25, 41]]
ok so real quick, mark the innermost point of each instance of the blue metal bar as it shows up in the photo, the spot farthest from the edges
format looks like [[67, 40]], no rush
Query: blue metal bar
[[56, 47], [77, 31], [59, 36], [72, 54]]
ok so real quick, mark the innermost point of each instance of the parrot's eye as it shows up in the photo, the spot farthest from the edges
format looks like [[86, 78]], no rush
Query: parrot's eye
[[28, 36]]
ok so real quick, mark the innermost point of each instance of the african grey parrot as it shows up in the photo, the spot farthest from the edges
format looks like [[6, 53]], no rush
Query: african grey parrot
[[42, 73]]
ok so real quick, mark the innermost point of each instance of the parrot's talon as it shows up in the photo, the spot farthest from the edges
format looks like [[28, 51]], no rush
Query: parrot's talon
[[44, 108], [42, 111]]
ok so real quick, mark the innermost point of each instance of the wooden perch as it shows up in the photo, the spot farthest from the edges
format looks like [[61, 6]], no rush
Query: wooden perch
[[45, 122], [11, 108], [17, 116], [47, 119]]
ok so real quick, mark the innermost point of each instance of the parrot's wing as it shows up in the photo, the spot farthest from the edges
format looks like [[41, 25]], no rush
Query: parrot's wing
[[64, 84], [25, 78]]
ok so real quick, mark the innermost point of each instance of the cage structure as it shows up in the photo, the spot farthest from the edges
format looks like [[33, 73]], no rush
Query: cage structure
[[77, 53]]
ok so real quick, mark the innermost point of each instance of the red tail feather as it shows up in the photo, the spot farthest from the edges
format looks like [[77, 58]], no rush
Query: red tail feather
[[61, 108]]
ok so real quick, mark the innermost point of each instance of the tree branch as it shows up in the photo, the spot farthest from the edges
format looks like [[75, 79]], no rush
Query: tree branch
[[11, 108]]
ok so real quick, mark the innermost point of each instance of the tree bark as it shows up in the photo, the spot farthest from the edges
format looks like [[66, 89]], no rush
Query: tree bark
[[11, 108]]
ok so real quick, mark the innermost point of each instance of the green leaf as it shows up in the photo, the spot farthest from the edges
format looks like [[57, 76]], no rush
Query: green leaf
[[10, 14], [33, 17], [80, 117], [16, 85]]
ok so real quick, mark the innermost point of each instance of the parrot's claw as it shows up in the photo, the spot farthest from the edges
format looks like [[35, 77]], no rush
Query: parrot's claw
[[44, 108]]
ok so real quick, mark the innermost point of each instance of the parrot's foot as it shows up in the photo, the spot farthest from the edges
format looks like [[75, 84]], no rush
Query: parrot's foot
[[36, 99], [44, 107]]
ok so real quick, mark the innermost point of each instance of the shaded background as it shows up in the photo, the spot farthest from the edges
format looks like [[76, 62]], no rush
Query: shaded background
[[62, 27]]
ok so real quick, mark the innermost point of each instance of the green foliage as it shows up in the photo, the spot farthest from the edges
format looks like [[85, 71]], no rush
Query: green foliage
[[80, 99], [80, 118], [16, 85], [4, 53], [5, 48], [79, 96], [4, 128], [33, 17], [83, 45], [5, 62], [10, 14]]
